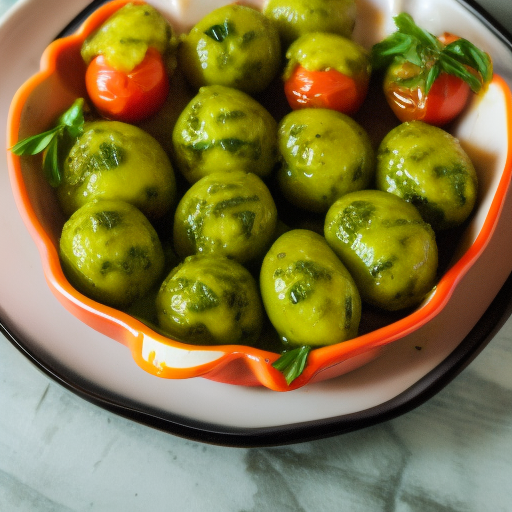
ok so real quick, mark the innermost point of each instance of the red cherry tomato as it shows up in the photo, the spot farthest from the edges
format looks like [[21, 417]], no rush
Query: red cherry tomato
[[325, 89], [443, 103], [447, 38], [445, 100], [128, 96]]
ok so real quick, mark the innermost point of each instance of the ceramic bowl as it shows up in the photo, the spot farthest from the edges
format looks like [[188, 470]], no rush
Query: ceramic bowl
[[484, 130]]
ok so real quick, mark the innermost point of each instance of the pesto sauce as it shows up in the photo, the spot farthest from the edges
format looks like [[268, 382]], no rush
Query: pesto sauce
[[82, 163], [200, 210], [201, 296], [108, 219], [349, 311], [457, 177], [319, 51], [355, 217], [311, 273], [126, 35], [136, 258]]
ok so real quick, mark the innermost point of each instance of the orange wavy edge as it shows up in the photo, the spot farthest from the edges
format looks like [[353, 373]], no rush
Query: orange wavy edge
[[252, 366]]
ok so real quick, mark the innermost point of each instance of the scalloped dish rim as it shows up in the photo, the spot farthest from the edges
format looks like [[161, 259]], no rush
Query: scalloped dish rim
[[233, 364]]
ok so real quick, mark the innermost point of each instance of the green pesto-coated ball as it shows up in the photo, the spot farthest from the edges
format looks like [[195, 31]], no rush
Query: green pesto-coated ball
[[427, 166], [308, 294], [224, 129], [209, 299], [110, 252], [115, 160], [234, 45], [229, 214], [297, 17], [325, 154], [388, 248]]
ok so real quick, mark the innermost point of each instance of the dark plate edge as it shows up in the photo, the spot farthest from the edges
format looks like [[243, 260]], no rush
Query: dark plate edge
[[427, 387]]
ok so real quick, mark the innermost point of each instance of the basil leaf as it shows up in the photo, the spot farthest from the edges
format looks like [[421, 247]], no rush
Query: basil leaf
[[232, 144], [246, 219], [108, 219], [292, 363], [414, 56], [468, 54], [69, 124], [73, 118], [453, 67], [36, 143], [395, 45], [406, 25], [433, 73], [51, 163]]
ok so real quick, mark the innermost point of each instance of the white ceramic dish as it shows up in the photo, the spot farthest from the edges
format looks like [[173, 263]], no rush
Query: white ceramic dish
[[103, 371]]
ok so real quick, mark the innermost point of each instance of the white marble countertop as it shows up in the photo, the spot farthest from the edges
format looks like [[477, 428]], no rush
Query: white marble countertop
[[60, 453]]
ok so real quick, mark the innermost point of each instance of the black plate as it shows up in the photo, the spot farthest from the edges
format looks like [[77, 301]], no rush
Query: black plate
[[486, 328]]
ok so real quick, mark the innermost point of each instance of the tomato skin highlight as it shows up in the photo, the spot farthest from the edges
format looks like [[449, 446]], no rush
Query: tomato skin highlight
[[128, 96], [325, 89], [446, 99], [447, 38]]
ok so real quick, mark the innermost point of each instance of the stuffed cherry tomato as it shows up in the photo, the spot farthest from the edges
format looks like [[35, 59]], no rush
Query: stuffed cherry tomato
[[129, 60], [326, 71], [131, 96], [445, 100], [428, 78]]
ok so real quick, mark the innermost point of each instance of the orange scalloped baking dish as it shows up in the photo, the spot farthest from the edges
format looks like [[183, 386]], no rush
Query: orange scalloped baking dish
[[60, 81]]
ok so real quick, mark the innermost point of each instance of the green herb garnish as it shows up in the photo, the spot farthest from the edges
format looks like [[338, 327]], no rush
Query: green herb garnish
[[292, 363], [413, 44], [69, 125]]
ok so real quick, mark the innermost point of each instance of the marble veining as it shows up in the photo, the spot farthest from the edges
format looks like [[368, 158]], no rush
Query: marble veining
[[451, 454]]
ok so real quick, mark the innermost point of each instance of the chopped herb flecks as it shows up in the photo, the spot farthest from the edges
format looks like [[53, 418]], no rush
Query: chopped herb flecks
[[108, 219], [358, 215], [246, 219], [220, 32], [199, 296]]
